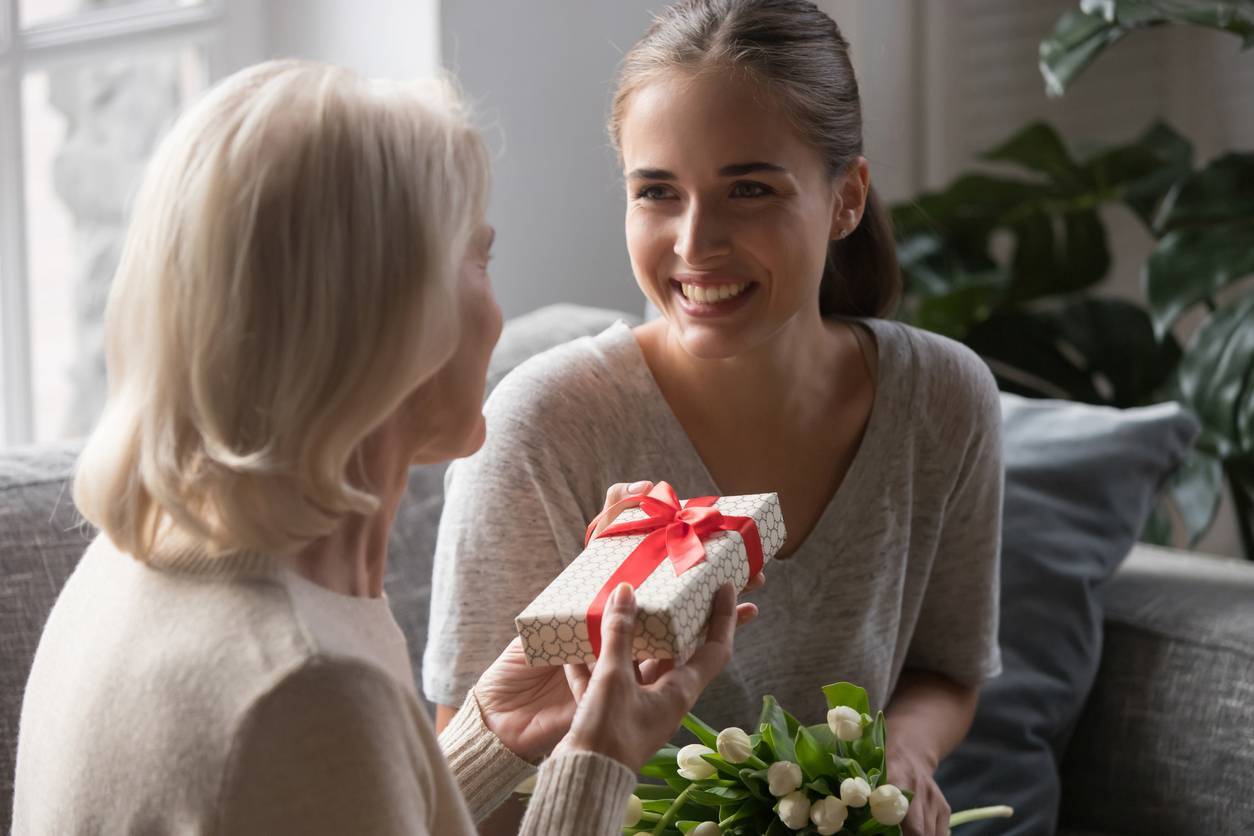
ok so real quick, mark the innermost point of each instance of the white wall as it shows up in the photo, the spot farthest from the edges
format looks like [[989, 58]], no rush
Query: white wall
[[541, 73], [389, 38]]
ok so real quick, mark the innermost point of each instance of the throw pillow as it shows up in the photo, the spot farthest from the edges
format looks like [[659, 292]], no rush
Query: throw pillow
[[1080, 482]]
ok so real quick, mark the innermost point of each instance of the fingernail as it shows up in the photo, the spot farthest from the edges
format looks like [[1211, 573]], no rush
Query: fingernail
[[624, 596], [637, 487]]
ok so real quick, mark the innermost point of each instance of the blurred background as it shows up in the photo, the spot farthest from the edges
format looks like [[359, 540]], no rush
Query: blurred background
[[88, 86]]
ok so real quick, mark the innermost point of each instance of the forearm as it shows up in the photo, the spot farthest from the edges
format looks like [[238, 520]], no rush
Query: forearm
[[929, 715], [485, 769]]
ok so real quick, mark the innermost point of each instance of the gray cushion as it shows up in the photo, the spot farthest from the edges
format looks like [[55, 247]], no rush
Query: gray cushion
[[1079, 483], [1166, 741], [41, 540]]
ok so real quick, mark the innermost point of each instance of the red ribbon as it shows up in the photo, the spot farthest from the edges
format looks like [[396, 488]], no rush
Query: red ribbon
[[672, 530]]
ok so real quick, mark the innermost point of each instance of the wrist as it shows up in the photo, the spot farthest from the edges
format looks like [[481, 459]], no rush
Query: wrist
[[498, 723], [921, 759]]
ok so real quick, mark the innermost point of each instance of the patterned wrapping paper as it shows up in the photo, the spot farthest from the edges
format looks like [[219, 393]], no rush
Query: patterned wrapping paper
[[671, 610]]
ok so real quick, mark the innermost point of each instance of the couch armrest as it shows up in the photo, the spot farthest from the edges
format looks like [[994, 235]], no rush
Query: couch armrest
[[1166, 741]]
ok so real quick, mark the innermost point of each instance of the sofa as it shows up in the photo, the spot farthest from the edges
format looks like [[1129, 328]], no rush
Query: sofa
[[1172, 620]]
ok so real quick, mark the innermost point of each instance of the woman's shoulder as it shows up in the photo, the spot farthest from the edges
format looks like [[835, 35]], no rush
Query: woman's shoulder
[[572, 383], [950, 384]]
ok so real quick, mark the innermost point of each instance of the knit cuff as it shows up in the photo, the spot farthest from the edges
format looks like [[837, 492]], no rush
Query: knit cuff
[[485, 768], [579, 794]]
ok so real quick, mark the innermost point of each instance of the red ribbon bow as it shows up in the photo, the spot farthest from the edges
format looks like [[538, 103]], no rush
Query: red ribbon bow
[[672, 530]]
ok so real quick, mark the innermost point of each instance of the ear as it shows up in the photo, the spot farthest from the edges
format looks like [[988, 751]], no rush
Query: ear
[[852, 188]]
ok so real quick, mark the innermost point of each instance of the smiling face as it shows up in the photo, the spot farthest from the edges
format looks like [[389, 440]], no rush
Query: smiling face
[[729, 211]]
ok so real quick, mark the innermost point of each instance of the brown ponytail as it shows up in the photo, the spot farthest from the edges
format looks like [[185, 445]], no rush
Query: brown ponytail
[[869, 251], [798, 55]]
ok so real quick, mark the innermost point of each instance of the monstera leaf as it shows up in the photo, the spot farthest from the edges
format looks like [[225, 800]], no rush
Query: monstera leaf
[[1090, 349], [1083, 34], [1048, 213]]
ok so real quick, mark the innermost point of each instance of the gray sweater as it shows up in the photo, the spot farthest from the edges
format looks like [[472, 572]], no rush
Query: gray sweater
[[228, 695], [900, 570]]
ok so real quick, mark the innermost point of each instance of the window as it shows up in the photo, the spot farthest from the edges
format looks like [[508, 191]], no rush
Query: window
[[87, 89]]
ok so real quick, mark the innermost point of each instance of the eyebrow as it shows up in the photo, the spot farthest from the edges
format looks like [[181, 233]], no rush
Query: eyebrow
[[736, 170]]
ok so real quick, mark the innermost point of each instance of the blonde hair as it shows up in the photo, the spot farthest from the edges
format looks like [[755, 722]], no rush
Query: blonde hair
[[287, 280]]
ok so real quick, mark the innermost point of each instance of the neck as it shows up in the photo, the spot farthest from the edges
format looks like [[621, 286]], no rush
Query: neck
[[789, 373], [352, 559]]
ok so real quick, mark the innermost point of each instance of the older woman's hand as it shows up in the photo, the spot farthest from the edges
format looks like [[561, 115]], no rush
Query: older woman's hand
[[626, 712]]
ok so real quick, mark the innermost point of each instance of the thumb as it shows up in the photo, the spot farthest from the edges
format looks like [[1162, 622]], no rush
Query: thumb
[[618, 627]]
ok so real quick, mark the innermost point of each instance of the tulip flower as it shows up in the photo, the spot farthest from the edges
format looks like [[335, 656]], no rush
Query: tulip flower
[[855, 792], [888, 805], [733, 745], [794, 810], [635, 812], [845, 723], [691, 765], [705, 828], [783, 777], [828, 815]]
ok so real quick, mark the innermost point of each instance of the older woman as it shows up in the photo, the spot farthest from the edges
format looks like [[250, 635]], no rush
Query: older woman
[[302, 311]]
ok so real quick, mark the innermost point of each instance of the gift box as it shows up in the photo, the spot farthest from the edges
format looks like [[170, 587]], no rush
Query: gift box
[[675, 554]]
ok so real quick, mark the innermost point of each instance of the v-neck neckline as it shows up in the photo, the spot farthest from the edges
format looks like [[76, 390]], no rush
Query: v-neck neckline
[[884, 375]]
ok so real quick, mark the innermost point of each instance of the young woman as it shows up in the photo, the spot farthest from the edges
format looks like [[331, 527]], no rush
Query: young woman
[[303, 309], [752, 227]]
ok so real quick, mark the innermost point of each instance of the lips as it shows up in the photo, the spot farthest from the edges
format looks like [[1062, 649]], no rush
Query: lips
[[711, 297]]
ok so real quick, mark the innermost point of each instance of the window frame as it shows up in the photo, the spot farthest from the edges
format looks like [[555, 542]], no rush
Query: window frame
[[231, 35]]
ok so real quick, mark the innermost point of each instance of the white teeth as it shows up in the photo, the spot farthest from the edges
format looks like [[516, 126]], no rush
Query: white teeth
[[708, 295]]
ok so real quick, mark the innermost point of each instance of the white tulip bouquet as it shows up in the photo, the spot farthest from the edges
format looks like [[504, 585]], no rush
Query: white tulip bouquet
[[786, 778]]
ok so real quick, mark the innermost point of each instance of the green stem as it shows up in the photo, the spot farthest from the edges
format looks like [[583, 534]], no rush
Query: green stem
[[671, 812], [756, 762], [647, 816], [978, 813]]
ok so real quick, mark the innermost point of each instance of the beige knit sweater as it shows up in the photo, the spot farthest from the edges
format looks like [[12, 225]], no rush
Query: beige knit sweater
[[228, 695]]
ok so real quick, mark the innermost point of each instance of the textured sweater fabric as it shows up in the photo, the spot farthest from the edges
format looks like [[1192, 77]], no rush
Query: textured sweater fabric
[[229, 695], [900, 570]]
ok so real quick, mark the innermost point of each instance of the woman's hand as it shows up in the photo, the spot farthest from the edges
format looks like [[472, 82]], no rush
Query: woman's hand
[[528, 708], [627, 713], [929, 811]]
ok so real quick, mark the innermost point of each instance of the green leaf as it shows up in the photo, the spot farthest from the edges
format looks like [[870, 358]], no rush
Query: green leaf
[[1077, 39], [662, 764], [755, 781], [1196, 489], [1216, 378], [879, 730], [716, 760], [1096, 350], [1037, 147], [1081, 35], [1144, 171], [814, 754], [714, 796], [1193, 264], [846, 693], [654, 791], [775, 730], [704, 732], [1222, 191], [1057, 253]]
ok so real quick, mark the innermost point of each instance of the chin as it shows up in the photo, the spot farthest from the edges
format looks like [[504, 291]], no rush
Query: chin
[[705, 343], [468, 442]]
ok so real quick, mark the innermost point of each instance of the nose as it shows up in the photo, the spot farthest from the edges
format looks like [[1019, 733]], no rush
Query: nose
[[702, 235]]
